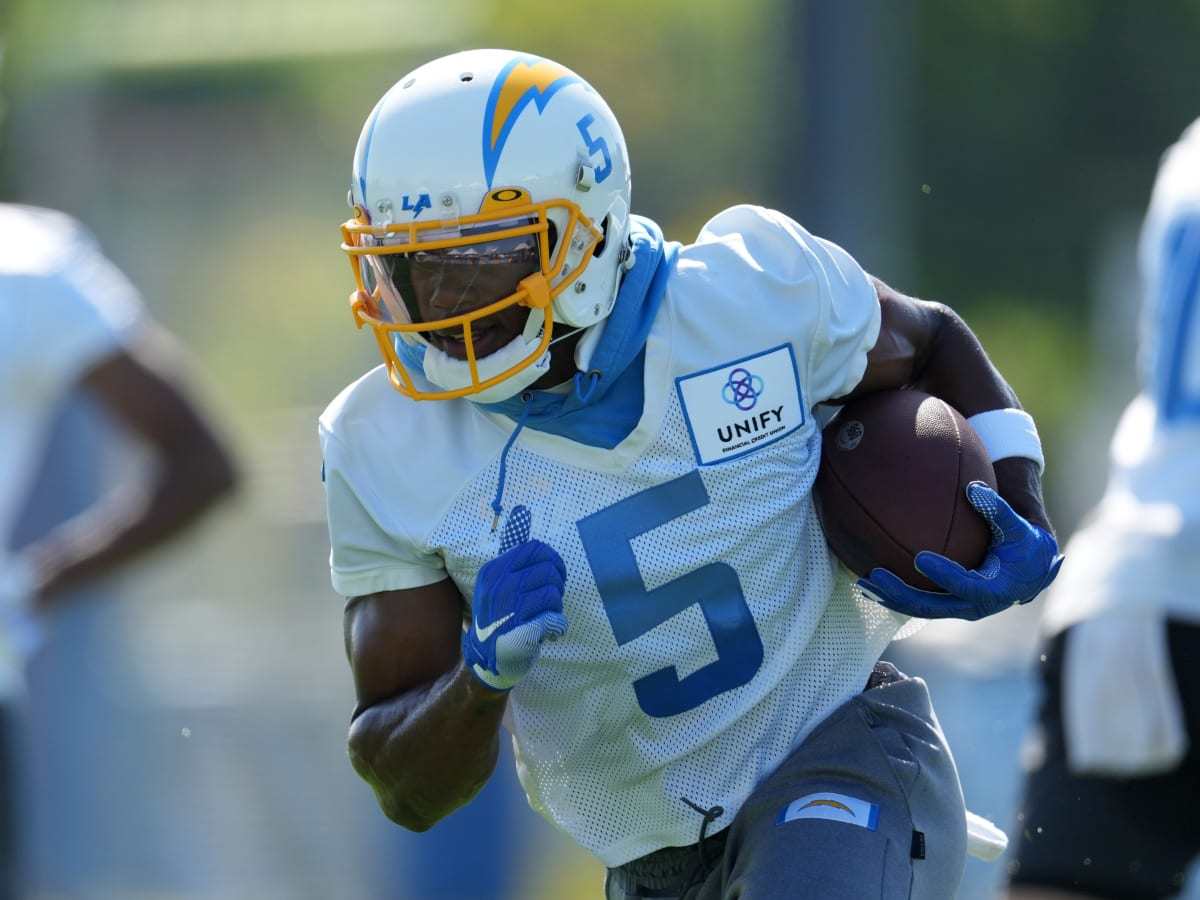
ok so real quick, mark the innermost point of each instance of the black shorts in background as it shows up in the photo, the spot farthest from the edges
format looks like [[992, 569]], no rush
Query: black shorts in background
[[1111, 837]]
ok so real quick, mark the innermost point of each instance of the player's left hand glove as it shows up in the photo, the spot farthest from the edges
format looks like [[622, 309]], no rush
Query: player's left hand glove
[[1020, 563]]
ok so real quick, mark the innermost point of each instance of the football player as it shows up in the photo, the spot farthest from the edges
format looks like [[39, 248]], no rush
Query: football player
[[71, 321], [574, 503], [1114, 754]]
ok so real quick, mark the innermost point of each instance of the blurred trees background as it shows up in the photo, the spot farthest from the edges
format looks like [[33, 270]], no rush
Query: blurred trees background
[[995, 155]]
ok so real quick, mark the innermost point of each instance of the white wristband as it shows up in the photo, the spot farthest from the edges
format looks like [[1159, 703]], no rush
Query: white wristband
[[1009, 432]]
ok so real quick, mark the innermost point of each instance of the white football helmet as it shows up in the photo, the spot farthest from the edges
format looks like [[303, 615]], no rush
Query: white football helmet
[[481, 158]]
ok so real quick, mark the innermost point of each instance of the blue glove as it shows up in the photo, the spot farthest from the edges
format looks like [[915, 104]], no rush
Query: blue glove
[[1020, 563], [517, 604]]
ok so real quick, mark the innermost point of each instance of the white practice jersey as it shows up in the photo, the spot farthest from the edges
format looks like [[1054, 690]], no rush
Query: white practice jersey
[[710, 627], [63, 308], [1137, 552]]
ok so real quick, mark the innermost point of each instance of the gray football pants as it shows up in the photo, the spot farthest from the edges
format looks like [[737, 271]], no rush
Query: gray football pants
[[884, 747]]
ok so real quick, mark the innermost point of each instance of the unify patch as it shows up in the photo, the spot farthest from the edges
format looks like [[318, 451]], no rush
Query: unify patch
[[743, 405]]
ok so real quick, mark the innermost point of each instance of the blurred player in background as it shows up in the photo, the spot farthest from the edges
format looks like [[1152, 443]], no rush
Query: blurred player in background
[[575, 502], [1115, 766], [70, 320]]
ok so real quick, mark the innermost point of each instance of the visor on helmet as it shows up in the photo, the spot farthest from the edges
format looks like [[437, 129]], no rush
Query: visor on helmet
[[433, 286]]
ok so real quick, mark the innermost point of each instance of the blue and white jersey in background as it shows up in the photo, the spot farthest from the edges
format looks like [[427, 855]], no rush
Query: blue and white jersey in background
[[710, 627], [1138, 549]]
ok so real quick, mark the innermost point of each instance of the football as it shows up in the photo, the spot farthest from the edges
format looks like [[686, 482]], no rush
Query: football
[[892, 482]]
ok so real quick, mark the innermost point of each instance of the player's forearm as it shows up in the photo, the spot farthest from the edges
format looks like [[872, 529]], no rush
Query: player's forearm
[[130, 520], [959, 371], [929, 347], [955, 367], [1019, 482], [430, 751]]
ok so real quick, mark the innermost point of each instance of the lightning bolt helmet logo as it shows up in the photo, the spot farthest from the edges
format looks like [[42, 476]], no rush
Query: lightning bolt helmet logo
[[522, 81]]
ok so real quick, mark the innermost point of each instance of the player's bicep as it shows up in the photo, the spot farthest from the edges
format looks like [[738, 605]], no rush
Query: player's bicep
[[397, 641]]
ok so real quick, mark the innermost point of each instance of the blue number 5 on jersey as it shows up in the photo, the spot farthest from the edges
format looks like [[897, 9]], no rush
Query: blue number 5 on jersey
[[633, 609]]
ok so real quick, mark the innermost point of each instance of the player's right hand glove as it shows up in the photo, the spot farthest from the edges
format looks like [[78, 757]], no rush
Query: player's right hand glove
[[518, 604]]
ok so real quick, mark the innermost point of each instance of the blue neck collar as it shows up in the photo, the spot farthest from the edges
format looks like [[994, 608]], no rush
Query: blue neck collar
[[610, 396]]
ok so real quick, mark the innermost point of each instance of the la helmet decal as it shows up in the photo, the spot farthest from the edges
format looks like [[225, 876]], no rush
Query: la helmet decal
[[525, 80]]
